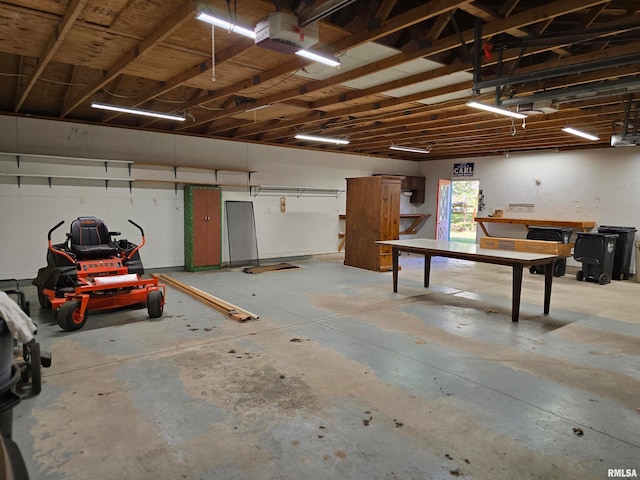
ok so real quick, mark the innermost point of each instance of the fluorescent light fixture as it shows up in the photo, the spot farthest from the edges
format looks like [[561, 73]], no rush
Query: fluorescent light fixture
[[316, 138], [218, 22], [500, 111], [408, 149], [579, 133], [138, 111], [316, 57]]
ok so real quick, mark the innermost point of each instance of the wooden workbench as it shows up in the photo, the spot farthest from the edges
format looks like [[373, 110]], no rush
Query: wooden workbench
[[582, 225]]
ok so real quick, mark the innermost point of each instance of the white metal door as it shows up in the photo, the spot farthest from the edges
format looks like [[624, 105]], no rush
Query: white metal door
[[444, 209]]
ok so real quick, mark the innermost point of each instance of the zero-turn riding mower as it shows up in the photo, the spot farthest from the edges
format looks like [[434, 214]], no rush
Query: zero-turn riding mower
[[93, 271]]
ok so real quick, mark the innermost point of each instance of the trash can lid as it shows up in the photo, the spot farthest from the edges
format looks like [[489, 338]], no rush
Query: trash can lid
[[597, 234], [625, 229], [563, 229]]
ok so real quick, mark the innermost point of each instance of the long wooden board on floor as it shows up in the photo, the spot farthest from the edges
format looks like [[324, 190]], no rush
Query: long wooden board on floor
[[236, 313]]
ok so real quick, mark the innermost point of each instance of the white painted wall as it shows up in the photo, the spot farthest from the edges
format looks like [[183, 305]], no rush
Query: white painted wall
[[309, 226], [602, 185]]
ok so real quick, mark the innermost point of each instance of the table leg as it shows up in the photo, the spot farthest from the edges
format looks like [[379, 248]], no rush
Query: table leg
[[515, 294], [427, 269], [548, 279], [394, 256]]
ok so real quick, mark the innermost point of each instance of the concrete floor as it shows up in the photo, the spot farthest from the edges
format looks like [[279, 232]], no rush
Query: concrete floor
[[343, 379]]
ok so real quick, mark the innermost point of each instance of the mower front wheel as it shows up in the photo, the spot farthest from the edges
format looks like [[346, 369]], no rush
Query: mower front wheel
[[155, 303], [69, 317]]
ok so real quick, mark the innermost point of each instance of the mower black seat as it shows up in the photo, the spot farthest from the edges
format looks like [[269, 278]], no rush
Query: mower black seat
[[90, 239]]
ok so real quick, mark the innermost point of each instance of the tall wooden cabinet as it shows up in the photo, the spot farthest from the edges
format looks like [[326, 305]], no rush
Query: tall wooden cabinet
[[373, 213], [202, 228]]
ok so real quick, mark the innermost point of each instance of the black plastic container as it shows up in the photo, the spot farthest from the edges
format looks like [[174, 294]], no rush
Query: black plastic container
[[6, 352], [9, 376], [551, 234], [624, 247], [596, 251]]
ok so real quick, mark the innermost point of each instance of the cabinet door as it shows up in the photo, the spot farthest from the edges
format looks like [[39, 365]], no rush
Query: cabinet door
[[206, 227], [214, 248], [418, 187]]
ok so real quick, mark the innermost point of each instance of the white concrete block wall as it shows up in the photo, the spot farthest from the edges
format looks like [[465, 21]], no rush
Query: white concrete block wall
[[602, 185], [599, 185], [310, 225]]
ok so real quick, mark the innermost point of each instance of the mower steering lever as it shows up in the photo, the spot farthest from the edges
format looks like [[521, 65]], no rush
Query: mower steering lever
[[136, 225], [132, 252], [51, 231]]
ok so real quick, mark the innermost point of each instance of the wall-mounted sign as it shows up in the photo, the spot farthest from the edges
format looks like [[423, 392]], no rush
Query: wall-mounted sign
[[463, 169]]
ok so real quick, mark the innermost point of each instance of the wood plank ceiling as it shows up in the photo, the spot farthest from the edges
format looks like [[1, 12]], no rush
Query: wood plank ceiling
[[406, 76]]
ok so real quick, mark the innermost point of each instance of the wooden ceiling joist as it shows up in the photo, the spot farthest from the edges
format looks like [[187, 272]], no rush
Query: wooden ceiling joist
[[71, 14], [185, 13], [55, 57]]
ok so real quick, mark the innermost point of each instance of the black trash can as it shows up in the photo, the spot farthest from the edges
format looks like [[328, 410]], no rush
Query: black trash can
[[551, 234], [624, 247], [11, 461], [596, 251], [9, 376], [6, 352]]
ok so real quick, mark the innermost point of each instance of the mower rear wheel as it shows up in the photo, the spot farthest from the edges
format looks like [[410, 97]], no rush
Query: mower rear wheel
[[43, 299], [155, 303], [69, 317]]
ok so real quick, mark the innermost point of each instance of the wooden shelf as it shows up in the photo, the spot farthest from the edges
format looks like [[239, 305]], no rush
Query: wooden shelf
[[187, 182], [582, 225], [71, 177], [418, 218], [70, 161], [195, 167], [24, 156], [18, 176]]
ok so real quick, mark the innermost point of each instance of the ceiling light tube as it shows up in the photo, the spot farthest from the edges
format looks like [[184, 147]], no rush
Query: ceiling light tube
[[218, 22], [316, 138], [579, 133], [316, 57], [492, 109], [138, 111], [409, 149]]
